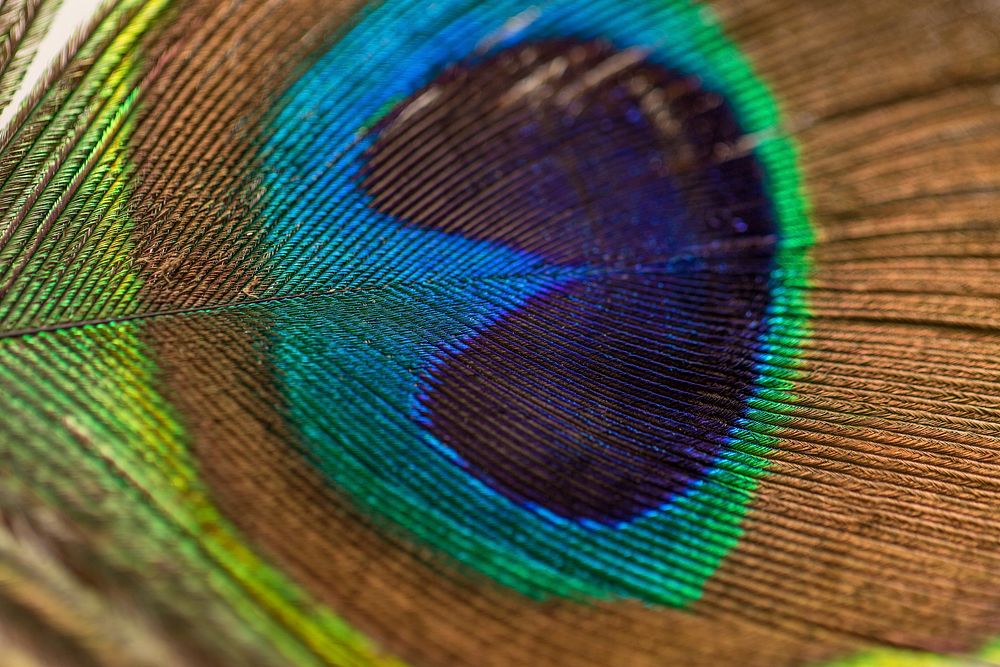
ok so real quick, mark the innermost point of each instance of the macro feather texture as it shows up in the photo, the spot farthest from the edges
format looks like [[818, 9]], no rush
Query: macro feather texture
[[501, 332]]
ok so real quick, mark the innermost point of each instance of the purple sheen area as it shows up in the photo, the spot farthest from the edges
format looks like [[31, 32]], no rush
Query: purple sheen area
[[600, 398]]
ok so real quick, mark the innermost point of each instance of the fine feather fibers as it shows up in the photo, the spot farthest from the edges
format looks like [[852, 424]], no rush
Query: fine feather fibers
[[610, 333]]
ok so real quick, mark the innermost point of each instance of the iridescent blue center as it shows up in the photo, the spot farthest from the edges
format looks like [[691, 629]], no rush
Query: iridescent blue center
[[608, 391]]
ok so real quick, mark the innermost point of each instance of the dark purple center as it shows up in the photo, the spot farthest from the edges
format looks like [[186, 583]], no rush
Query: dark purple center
[[602, 397]]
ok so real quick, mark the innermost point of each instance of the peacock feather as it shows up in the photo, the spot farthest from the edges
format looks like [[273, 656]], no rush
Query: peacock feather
[[501, 332]]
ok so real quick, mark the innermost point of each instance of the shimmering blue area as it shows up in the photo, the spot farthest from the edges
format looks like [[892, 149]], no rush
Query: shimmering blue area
[[389, 299]]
